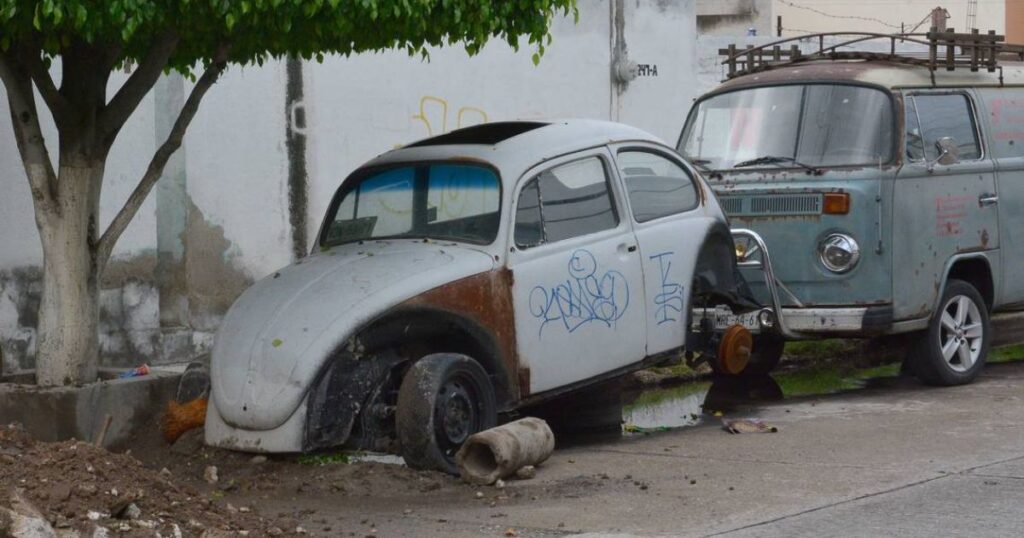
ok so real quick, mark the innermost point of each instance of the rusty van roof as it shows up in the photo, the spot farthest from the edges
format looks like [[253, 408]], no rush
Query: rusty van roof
[[878, 73], [937, 58]]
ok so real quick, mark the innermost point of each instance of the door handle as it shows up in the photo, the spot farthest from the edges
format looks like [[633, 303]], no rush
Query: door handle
[[988, 199], [631, 248]]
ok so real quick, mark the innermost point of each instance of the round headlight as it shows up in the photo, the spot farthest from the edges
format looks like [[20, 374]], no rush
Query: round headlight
[[839, 253]]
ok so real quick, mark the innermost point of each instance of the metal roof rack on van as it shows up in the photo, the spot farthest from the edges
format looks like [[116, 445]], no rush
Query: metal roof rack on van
[[976, 51]]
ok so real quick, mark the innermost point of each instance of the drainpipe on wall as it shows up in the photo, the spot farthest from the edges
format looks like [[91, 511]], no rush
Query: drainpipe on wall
[[295, 144], [623, 70]]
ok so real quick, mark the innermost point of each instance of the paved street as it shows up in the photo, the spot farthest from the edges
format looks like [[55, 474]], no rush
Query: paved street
[[894, 459]]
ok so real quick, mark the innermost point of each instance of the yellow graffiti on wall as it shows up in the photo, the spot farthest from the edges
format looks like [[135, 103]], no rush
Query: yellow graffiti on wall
[[434, 115]]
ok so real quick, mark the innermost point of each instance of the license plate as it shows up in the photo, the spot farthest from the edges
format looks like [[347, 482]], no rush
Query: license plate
[[722, 318]]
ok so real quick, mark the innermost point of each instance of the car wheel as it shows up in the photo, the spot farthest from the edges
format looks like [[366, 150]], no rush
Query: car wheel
[[954, 348], [764, 357], [444, 398]]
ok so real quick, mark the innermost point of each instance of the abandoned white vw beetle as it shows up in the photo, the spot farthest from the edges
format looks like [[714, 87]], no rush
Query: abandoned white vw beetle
[[467, 276]]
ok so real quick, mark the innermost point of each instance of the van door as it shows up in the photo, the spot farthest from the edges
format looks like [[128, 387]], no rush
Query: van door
[[1005, 115], [939, 210], [577, 284]]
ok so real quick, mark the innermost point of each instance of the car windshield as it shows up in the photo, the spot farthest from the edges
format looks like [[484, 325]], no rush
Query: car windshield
[[458, 202], [792, 126]]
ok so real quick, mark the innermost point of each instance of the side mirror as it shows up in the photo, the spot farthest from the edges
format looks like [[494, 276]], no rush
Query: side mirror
[[949, 152]]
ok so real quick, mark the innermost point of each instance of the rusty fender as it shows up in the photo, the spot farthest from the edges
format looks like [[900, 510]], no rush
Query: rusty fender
[[472, 316]]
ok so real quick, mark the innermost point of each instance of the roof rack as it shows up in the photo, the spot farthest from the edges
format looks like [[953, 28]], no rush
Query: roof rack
[[976, 51]]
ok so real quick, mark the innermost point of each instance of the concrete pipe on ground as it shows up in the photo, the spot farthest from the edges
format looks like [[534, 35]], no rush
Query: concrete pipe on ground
[[499, 452]]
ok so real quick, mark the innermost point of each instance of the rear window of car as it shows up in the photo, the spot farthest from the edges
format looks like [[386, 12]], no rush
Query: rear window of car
[[657, 187], [566, 201]]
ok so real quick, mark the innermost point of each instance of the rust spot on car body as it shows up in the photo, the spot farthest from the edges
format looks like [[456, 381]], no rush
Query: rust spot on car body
[[486, 300]]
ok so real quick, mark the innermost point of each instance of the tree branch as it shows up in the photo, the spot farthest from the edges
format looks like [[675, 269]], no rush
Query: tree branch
[[28, 135], [57, 103], [156, 166], [127, 99]]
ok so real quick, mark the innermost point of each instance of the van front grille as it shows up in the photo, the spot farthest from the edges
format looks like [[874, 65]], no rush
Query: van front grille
[[771, 204]]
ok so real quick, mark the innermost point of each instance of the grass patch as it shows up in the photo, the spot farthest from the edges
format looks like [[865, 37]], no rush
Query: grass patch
[[831, 378], [1006, 354], [331, 458], [676, 370], [818, 349]]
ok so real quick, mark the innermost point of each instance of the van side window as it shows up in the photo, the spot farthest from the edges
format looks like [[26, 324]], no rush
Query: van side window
[[566, 201], [931, 117], [656, 186]]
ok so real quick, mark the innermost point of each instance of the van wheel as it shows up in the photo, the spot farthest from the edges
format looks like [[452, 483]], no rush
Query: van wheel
[[954, 348], [764, 357], [766, 354], [444, 398]]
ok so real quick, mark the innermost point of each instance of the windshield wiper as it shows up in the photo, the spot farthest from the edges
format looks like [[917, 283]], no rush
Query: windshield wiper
[[775, 159], [703, 165]]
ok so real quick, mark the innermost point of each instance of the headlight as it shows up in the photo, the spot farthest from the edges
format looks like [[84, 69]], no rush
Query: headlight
[[839, 253]]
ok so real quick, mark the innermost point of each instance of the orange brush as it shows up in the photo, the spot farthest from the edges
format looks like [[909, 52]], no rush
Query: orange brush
[[180, 418]]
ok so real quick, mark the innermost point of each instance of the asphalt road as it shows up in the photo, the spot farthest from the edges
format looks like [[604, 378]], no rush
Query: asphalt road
[[894, 459]]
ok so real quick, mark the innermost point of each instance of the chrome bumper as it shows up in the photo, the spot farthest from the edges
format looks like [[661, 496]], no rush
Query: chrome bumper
[[798, 322], [824, 320]]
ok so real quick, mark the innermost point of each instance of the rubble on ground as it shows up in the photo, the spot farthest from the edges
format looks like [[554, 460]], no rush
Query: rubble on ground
[[73, 488]]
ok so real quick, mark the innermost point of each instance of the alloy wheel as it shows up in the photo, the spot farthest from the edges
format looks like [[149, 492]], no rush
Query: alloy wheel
[[961, 334]]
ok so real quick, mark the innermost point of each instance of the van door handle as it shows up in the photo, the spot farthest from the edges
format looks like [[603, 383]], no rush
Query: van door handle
[[988, 199], [631, 248]]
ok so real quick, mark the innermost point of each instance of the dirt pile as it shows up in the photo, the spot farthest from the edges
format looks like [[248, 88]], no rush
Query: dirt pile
[[78, 487]]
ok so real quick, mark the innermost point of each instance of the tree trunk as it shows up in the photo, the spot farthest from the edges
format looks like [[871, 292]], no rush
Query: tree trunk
[[67, 351]]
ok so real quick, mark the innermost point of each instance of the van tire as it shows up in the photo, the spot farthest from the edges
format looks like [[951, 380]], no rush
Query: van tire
[[444, 398], [766, 355], [962, 313]]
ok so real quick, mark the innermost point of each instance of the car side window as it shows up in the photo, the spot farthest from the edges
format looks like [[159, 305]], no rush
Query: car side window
[[566, 201], [657, 186], [931, 117]]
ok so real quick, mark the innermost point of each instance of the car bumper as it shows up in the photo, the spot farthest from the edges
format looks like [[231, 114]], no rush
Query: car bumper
[[857, 321], [285, 438], [810, 322]]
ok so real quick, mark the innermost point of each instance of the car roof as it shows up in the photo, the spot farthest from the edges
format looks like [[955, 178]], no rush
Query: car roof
[[515, 147]]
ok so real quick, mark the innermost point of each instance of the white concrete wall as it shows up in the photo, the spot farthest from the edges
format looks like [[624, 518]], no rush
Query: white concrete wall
[[236, 162]]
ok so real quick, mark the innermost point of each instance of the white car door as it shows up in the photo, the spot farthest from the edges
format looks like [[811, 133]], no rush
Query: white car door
[[670, 225], [577, 283]]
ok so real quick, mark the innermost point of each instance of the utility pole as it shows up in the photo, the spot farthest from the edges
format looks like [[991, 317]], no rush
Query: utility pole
[[972, 15]]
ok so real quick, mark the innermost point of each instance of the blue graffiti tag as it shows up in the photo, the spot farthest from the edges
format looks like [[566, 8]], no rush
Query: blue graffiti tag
[[669, 300], [583, 298]]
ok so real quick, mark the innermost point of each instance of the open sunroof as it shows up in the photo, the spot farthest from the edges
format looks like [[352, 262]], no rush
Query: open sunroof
[[487, 134]]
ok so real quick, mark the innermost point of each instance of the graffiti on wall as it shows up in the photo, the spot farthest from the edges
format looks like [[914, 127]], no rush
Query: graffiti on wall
[[439, 117]]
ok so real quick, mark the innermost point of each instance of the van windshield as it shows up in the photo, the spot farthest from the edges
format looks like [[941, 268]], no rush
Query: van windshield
[[458, 202], [811, 125]]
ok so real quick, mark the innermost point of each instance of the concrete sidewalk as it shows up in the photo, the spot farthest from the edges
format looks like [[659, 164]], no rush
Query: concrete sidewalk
[[898, 459]]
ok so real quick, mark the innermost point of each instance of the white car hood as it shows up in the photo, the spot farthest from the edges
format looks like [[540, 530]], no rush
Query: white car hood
[[278, 334]]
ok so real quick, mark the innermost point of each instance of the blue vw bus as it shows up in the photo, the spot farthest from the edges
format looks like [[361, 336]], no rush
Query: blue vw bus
[[888, 188]]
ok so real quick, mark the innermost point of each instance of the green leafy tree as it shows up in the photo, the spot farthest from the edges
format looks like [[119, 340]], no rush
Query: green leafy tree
[[198, 38]]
